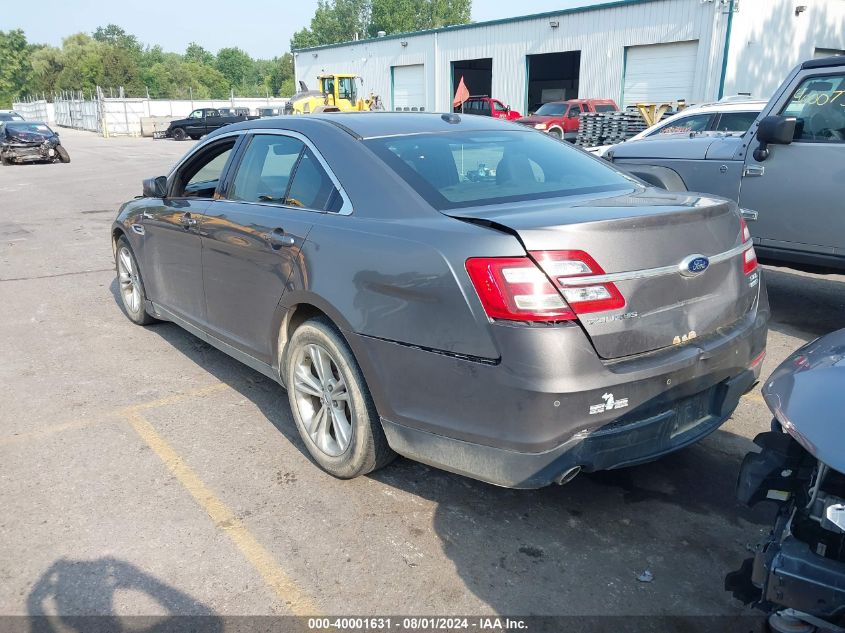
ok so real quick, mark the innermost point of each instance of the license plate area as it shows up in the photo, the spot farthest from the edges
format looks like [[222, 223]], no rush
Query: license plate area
[[692, 411]]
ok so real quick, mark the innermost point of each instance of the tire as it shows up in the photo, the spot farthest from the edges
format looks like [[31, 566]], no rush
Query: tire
[[344, 435], [195, 137], [61, 152], [179, 134], [130, 286], [555, 133], [5, 161]]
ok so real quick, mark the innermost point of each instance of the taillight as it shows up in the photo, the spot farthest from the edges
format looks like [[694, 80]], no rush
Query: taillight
[[749, 256], [572, 271], [514, 288]]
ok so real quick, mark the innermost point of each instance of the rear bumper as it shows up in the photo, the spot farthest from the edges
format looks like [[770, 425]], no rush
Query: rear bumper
[[526, 419], [634, 439]]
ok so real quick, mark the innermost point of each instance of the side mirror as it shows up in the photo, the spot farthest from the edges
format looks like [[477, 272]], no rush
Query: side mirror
[[507, 108], [774, 130], [155, 187]]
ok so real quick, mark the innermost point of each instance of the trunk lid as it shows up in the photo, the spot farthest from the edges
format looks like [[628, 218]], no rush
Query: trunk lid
[[639, 233]]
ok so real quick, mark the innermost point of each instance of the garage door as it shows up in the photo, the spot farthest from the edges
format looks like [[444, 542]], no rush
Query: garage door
[[660, 73], [409, 88]]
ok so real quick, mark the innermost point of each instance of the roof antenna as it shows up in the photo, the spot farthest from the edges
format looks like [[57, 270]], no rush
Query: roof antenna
[[451, 118]]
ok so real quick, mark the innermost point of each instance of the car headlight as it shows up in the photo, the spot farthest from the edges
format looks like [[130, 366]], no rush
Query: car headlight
[[540, 126]]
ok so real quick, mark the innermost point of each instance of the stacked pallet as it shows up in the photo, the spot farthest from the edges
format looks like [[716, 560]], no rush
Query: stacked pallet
[[608, 128]]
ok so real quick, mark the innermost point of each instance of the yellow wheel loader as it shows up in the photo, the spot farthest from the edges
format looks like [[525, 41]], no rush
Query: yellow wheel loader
[[337, 93]]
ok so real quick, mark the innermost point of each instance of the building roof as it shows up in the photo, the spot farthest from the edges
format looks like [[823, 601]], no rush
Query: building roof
[[457, 27]]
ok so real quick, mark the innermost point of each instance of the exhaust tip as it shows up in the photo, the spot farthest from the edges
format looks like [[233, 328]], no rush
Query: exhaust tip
[[568, 475]]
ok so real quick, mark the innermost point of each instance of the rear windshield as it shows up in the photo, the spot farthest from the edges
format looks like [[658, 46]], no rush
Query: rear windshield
[[475, 168], [605, 108]]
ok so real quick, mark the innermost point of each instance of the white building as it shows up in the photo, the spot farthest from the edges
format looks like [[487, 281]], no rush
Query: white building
[[629, 50]]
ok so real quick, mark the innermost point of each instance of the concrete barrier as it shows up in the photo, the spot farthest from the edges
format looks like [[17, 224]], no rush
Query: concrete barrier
[[150, 124]]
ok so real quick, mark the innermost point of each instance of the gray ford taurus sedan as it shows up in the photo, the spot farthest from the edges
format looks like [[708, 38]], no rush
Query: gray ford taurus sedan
[[460, 290]]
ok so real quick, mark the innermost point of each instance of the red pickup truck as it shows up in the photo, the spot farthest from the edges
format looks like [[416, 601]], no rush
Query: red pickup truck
[[486, 106], [560, 118]]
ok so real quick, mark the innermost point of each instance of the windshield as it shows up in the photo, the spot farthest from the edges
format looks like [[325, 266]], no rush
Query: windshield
[[34, 128], [551, 109], [9, 116], [465, 169]]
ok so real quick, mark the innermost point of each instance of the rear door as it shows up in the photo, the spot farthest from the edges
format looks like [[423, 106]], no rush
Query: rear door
[[797, 190], [172, 253], [253, 236]]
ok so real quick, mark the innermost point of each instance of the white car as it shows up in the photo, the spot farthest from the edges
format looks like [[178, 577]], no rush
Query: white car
[[730, 116]]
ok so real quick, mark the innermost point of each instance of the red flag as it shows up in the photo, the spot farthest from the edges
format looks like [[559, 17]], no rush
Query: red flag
[[461, 94]]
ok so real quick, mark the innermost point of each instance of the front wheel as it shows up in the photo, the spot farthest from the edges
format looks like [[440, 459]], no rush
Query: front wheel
[[179, 134], [130, 285], [61, 152], [330, 402], [555, 133]]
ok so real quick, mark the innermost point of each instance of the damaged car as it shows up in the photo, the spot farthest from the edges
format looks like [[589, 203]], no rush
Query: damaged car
[[798, 573], [29, 142]]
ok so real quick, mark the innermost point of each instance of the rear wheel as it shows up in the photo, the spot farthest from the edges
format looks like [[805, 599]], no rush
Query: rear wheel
[[61, 152], [179, 134], [331, 404], [130, 285]]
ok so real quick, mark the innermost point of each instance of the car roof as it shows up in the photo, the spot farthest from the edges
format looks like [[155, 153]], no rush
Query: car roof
[[748, 105], [365, 125]]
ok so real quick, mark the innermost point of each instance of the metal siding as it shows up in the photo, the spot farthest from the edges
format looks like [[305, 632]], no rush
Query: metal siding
[[600, 34], [768, 40]]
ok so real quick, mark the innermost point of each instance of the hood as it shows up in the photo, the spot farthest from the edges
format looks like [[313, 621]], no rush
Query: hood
[[29, 136], [680, 146], [535, 118], [806, 395]]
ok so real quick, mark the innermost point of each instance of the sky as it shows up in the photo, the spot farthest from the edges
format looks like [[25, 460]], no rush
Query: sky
[[262, 28]]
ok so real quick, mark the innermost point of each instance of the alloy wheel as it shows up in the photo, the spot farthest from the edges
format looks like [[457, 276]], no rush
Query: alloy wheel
[[128, 279], [322, 398]]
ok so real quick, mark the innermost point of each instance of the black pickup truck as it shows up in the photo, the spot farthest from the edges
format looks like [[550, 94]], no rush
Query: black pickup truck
[[199, 123]]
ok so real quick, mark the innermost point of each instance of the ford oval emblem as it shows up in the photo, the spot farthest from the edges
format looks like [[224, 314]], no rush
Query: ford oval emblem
[[693, 265]]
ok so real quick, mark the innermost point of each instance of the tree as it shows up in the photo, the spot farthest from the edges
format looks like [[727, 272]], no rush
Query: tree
[[15, 67], [343, 20], [236, 66], [47, 63], [196, 53], [335, 21]]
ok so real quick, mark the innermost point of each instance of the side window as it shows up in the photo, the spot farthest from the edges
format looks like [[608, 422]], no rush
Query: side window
[[819, 105], [311, 187], [484, 108], [196, 114], [736, 122], [199, 177], [499, 107], [574, 112], [692, 123], [265, 170]]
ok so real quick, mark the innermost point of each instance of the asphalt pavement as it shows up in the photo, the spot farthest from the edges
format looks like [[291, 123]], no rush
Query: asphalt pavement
[[142, 472]]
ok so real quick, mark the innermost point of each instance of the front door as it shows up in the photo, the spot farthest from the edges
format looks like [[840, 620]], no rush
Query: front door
[[797, 190], [253, 236], [172, 252]]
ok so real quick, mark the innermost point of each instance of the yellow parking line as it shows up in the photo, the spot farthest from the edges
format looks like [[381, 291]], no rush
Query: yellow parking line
[[51, 430], [81, 424], [224, 518]]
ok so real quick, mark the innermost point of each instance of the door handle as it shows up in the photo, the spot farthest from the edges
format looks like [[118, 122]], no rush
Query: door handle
[[186, 220], [277, 238]]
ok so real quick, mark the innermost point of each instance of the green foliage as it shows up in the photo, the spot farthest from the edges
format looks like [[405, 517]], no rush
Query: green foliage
[[15, 67], [112, 58], [345, 20]]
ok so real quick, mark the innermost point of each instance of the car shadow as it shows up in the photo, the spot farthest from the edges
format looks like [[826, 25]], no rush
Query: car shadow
[[82, 595], [803, 303]]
